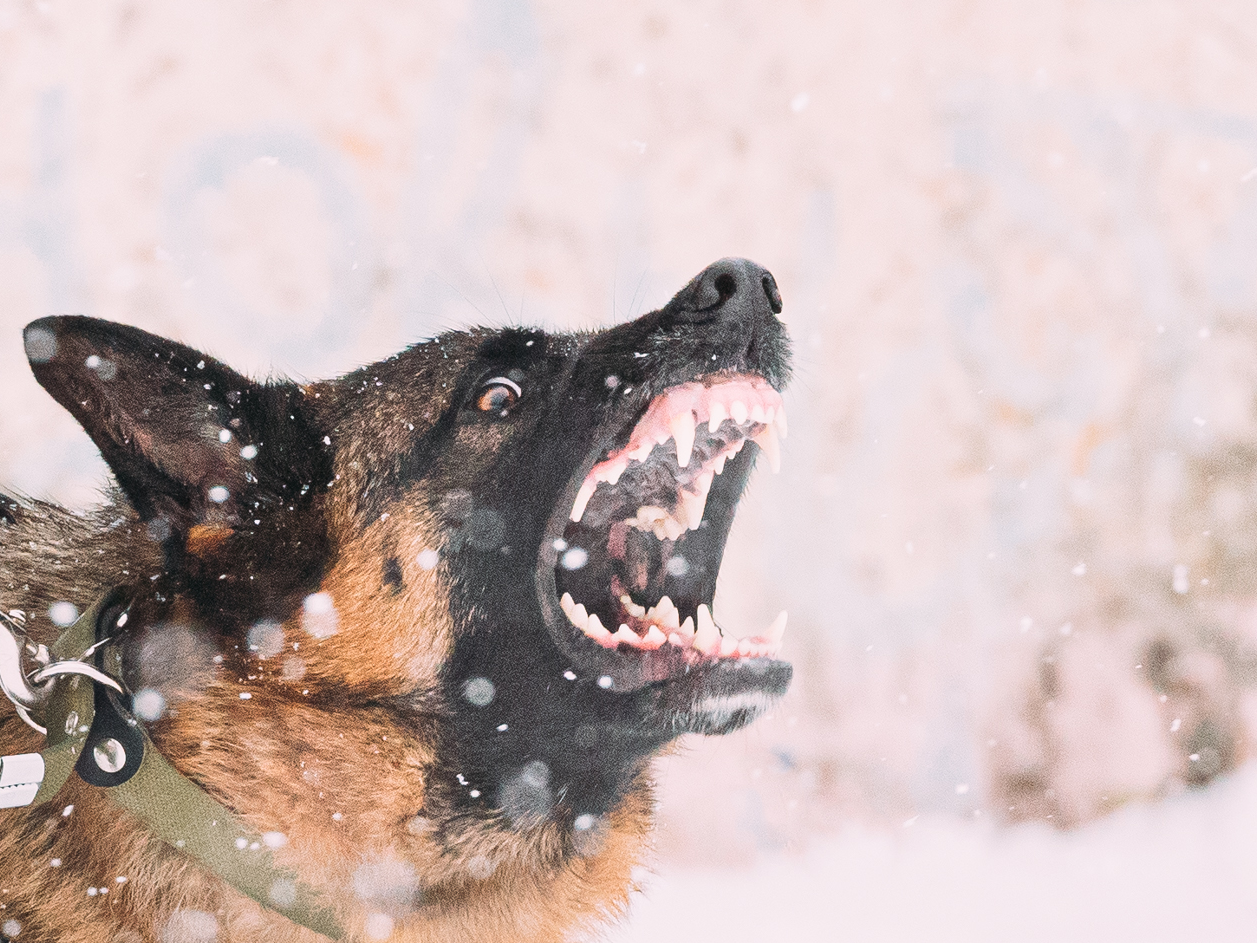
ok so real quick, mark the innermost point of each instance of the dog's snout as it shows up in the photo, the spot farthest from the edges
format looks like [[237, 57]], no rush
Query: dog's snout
[[731, 289]]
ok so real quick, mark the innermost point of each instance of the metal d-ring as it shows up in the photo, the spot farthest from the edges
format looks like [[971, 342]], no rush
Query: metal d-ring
[[58, 668]]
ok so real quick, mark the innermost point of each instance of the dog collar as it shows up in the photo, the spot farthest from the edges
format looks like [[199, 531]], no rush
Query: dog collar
[[76, 699]]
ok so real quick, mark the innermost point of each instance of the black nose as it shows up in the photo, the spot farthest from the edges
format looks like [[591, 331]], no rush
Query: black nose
[[732, 289]]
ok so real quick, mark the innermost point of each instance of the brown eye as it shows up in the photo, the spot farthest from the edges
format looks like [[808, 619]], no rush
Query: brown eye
[[498, 395]]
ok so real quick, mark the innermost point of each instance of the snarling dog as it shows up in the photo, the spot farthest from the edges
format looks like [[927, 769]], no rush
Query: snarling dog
[[401, 643]]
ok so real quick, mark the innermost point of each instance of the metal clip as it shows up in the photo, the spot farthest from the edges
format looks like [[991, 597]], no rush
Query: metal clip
[[28, 692], [20, 778], [13, 681]]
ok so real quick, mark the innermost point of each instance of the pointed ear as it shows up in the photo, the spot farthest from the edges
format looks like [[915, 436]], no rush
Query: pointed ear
[[190, 441]]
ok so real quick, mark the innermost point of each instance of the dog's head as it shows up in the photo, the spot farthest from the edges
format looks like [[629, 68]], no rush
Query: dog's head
[[506, 539]]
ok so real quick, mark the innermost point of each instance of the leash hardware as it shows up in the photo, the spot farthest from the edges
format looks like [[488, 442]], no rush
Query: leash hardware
[[29, 692], [14, 683], [75, 667]]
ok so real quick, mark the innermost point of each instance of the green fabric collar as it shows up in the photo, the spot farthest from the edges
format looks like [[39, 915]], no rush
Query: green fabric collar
[[91, 730]]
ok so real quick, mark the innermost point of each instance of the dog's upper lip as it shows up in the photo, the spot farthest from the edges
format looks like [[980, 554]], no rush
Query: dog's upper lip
[[680, 424]]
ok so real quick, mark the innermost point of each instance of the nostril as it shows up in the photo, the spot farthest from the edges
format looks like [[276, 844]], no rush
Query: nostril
[[769, 284], [726, 287]]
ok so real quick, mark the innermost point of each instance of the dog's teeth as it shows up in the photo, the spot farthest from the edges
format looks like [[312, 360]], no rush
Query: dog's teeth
[[567, 604], [728, 646], [719, 464], [586, 492], [780, 420], [627, 636], [707, 638], [653, 638], [631, 607], [598, 632], [766, 439], [686, 630], [739, 412], [643, 450], [746, 647], [718, 415], [579, 615], [666, 614], [672, 528], [758, 414], [614, 471], [693, 506], [648, 515], [776, 631], [682, 427]]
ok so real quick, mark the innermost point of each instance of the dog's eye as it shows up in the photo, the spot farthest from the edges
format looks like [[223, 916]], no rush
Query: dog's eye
[[498, 395]]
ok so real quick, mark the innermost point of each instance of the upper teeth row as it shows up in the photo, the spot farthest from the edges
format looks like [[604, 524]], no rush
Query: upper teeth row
[[675, 416], [666, 627]]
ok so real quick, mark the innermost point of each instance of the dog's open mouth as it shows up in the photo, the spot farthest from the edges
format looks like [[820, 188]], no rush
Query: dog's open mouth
[[636, 564]]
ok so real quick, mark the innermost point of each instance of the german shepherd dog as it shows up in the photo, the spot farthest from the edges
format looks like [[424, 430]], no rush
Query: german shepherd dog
[[424, 625]]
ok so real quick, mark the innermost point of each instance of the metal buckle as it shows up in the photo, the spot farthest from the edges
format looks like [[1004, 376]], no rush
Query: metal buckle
[[27, 691]]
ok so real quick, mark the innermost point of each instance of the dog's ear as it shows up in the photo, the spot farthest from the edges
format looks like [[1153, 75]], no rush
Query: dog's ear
[[190, 441]]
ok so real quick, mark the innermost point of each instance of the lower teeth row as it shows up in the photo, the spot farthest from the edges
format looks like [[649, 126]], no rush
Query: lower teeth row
[[664, 626]]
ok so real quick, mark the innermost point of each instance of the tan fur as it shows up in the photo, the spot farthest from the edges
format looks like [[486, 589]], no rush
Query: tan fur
[[306, 762], [396, 526]]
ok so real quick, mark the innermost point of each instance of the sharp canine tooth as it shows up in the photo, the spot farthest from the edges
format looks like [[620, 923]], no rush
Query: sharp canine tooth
[[718, 415], [775, 631], [693, 506], [708, 636], [739, 412], [780, 420], [682, 427], [767, 440], [586, 492], [567, 603]]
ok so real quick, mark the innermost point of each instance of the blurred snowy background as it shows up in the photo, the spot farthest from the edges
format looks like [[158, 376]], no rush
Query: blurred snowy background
[[1016, 529]]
